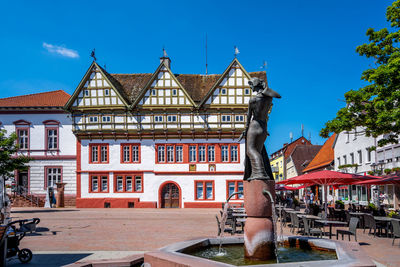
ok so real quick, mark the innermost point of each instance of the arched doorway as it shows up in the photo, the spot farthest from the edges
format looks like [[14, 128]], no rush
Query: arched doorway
[[169, 195]]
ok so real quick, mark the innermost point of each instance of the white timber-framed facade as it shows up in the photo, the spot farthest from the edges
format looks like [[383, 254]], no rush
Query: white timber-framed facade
[[160, 139]]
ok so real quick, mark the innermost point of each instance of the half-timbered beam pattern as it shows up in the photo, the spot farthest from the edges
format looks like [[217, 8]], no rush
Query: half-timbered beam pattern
[[233, 89], [97, 92], [165, 92]]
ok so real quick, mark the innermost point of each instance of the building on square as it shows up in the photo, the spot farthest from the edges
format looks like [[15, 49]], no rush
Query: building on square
[[279, 158], [44, 131], [160, 139]]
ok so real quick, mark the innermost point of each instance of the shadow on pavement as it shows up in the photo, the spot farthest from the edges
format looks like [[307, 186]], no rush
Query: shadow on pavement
[[40, 211], [364, 244], [49, 260]]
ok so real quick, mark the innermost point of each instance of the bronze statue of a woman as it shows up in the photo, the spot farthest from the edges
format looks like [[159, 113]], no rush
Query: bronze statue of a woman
[[257, 166]]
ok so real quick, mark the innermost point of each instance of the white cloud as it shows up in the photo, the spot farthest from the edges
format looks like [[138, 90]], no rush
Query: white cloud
[[63, 51]]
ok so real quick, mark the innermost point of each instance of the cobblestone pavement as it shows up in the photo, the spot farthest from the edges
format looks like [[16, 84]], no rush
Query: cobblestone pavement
[[86, 230]]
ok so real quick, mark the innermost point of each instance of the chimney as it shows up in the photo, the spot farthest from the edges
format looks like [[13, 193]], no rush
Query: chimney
[[166, 60]]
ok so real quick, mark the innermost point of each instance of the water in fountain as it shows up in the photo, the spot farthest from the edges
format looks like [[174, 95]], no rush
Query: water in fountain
[[222, 228], [274, 229]]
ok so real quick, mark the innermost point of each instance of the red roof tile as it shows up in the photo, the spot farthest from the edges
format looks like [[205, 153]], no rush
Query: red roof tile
[[324, 157], [47, 99]]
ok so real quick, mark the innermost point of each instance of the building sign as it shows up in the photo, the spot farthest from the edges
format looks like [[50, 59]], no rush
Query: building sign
[[211, 168]]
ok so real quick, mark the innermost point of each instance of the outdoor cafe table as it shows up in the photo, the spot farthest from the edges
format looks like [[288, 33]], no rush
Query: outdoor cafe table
[[330, 225], [385, 220]]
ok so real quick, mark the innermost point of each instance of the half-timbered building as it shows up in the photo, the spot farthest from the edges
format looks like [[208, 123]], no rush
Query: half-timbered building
[[160, 139]]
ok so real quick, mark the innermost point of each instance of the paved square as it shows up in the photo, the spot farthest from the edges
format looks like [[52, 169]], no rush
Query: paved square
[[115, 233]]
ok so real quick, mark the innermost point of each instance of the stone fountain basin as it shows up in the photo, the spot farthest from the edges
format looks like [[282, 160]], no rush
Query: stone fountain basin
[[348, 253]]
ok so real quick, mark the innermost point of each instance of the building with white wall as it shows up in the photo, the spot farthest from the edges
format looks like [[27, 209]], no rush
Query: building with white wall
[[160, 139], [45, 134], [357, 153]]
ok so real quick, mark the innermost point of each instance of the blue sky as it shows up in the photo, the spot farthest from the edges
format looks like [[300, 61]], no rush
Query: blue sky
[[309, 47]]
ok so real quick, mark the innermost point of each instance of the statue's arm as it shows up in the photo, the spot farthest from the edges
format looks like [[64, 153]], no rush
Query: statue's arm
[[271, 93]]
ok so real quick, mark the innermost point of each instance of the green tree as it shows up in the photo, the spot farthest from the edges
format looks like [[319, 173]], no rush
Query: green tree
[[8, 159], [375, 107]]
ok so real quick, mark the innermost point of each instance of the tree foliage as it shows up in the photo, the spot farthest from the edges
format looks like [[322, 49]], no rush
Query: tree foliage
[[375, 107], [8, 159]]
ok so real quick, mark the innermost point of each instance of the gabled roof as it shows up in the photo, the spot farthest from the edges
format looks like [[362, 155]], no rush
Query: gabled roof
[[261, 74], [153, 77], [288, 148], [47, 99], [324, 157], [110, 79], [131, 87], [302, 154]]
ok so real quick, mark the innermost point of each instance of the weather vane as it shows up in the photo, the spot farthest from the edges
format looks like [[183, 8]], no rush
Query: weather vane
[[236, 51], [93, 54]]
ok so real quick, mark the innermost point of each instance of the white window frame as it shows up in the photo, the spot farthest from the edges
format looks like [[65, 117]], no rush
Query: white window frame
[[93, 119], [234, 153], [202, 153], [192, 153], [224, 153], [226, 118], [158, 118], [239, 118], [172, 118], [106, 119], [161, 153], [170, 153], [211, 153], [179, 153], [53, 176], [135, 153]]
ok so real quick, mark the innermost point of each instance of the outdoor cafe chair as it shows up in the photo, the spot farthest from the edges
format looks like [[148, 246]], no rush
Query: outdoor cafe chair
[[295, 222], [371, 223], [311, 231], [396, 230], [352, 229], [226, 229]]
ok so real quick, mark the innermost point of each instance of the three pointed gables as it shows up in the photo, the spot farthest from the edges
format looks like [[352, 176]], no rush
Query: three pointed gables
[[231, 88], [97, 89], [163, 90]]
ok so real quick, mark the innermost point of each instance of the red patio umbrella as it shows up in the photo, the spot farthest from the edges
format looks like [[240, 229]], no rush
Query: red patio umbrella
[[289, 188], [387, 179], [325, 178]]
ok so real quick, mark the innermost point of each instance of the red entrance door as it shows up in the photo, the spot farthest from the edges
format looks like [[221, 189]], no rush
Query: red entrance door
[[170, 196]]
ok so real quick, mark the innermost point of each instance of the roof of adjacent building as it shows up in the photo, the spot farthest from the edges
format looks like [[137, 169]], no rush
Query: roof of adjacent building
[[288, 148], [302, 155], [324, 157], [47, 99]]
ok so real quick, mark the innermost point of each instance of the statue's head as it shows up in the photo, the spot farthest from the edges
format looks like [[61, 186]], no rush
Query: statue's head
[[257, 84]]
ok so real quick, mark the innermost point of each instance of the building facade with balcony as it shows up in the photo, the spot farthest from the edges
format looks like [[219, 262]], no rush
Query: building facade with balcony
[[160, 139], [44, 132]]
